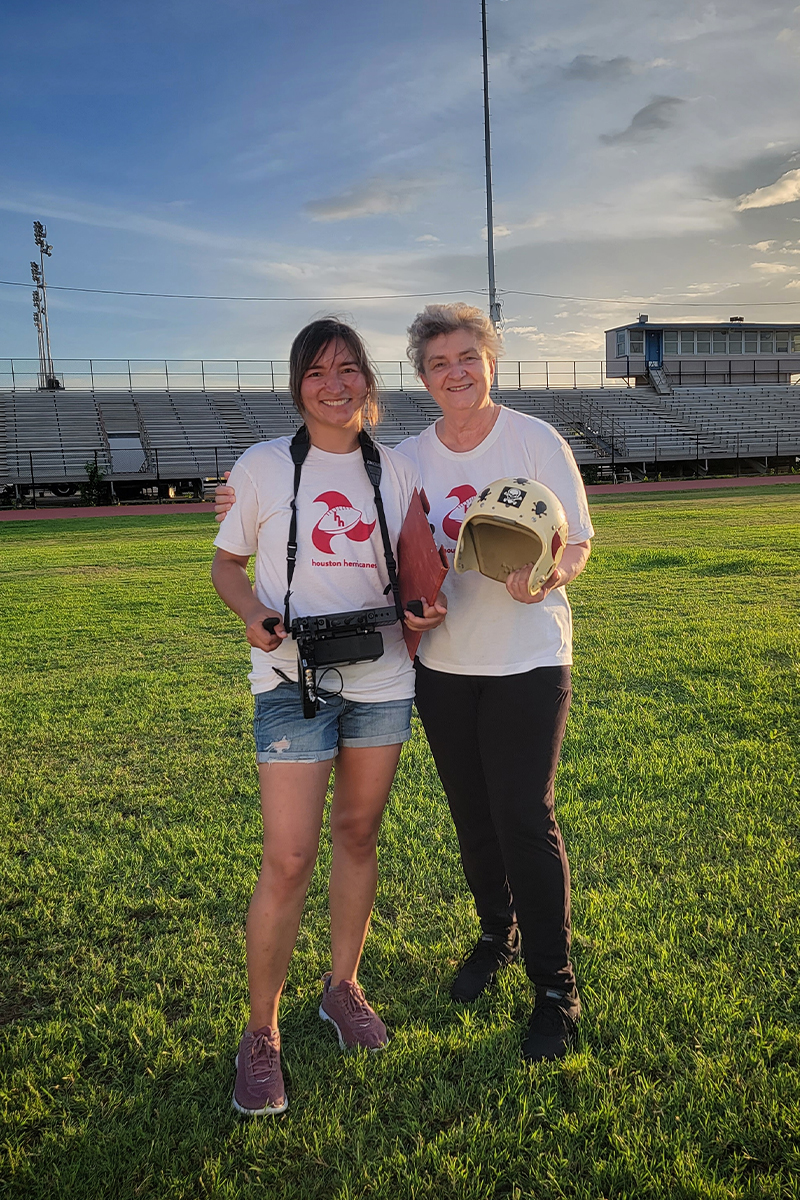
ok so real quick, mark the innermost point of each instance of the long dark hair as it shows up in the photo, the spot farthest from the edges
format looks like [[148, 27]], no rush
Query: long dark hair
[[309, 344]]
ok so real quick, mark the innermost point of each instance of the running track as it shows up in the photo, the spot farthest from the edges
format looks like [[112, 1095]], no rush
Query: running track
[[607, 489]]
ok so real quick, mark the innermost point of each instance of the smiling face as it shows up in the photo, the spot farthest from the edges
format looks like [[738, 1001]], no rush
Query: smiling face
[[457, 371], [333, 390]]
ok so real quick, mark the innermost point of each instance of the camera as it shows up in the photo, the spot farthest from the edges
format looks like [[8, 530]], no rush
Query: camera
[[334, 640]]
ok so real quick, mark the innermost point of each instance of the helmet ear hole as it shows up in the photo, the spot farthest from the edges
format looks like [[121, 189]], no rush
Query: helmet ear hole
[[466, 558]]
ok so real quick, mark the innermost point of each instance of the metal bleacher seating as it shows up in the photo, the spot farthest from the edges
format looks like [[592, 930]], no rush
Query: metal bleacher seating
[[191, 434], [59, 432]]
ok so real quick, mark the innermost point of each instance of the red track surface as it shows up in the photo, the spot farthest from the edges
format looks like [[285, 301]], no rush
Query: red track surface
[[599, 489]]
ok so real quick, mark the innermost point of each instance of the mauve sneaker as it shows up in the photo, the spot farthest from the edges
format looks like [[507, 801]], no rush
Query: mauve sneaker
[[345, 1006], [259, 1081]]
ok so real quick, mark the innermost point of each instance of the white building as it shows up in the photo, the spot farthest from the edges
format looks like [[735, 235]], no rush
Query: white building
[[704, 352]]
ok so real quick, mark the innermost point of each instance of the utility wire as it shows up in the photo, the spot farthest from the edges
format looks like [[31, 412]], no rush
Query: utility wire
[[262, 299], [633, 300], [627, 300]]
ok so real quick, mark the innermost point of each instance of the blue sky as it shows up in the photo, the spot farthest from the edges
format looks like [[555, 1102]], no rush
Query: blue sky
[[641, 150]]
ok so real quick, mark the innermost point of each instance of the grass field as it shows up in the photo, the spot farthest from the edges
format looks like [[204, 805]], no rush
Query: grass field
[[130, 845]]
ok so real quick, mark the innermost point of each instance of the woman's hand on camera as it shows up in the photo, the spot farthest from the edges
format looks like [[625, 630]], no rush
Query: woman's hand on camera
[[262, 638], [432, 615], [517, 585], [224, 499]]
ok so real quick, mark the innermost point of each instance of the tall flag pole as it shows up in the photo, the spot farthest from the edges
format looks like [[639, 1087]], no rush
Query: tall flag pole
[[494, 303]]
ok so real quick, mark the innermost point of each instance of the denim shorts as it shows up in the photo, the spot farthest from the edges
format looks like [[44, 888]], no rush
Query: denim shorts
[[283, 734]]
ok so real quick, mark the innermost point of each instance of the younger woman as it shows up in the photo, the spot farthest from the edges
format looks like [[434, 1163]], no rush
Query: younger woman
[[340, 564]]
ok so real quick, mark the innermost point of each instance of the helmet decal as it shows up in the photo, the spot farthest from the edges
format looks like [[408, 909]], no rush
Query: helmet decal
[[541, 508], [512, 497]]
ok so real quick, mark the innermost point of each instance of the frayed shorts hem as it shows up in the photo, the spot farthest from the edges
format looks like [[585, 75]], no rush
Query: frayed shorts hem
[[275, 756], [315, 756]]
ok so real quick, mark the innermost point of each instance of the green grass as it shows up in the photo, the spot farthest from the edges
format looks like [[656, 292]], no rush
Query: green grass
[[130, 845]]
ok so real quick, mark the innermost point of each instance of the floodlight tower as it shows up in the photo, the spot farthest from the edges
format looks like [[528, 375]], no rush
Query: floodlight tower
[[47, 376], [37, 320], [494, 303]]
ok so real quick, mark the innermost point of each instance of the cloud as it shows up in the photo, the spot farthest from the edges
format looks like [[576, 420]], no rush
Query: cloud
[[500, 231], [374, 197], [427, 237], [793, 283], [659, 114], [774, 268], [591, 68], [784, 191], [101, 216], [762, 246]]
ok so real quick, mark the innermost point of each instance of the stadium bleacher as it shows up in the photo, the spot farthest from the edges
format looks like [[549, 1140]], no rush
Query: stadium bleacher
[[191, 434]]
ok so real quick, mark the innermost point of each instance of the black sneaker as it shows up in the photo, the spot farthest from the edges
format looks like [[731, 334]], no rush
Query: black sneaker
[[553, 1026], [479, 968]]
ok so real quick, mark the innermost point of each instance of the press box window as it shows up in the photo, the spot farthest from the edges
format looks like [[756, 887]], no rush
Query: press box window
[[720, 341], [781, 341], [704, 341], [687, 341], [734, 341], [765, 341], [637, 341], [670, 341], [796, 342], [750, 341], [620, 343]]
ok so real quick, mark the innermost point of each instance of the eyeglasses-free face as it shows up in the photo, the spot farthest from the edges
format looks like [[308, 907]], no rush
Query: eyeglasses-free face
[[333, 390], [457, 372]]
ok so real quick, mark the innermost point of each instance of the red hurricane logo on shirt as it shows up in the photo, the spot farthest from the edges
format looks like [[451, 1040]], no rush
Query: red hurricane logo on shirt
[[464, 494], [341, 517]]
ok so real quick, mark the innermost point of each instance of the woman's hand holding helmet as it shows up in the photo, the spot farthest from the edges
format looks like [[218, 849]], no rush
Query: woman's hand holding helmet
[[572, 562], [517, 584]]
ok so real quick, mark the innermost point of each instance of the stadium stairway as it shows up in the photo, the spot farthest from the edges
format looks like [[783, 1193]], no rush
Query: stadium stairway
[[184, 431], [241, 427], [272, 414]]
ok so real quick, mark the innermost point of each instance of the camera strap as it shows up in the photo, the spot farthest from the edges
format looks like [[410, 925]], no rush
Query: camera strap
[[299, 448], [372, 464]]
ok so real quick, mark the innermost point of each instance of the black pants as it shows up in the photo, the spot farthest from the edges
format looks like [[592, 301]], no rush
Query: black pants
[[495, 740]]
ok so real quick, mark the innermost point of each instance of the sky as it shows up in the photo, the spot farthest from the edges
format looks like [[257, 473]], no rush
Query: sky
[[646, 157]]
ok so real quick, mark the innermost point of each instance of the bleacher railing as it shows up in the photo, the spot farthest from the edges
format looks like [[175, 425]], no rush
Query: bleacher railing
[[212, 375]]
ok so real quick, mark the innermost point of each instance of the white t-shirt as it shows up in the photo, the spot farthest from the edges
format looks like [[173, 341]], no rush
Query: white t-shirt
[[340, 560], [486, 631]]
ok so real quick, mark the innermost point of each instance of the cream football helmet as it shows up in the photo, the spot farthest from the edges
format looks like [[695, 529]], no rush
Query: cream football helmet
[[511, 523]]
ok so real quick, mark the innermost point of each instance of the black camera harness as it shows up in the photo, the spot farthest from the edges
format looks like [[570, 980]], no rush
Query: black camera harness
[[304, 630]]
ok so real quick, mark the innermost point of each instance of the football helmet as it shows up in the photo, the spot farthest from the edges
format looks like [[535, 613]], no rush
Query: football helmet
[[511, 523]]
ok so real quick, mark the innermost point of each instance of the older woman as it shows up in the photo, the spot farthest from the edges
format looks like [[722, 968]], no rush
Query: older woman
[[493, 683]]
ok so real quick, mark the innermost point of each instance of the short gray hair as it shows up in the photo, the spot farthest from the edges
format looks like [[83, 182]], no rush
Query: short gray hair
[[436, 319]]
